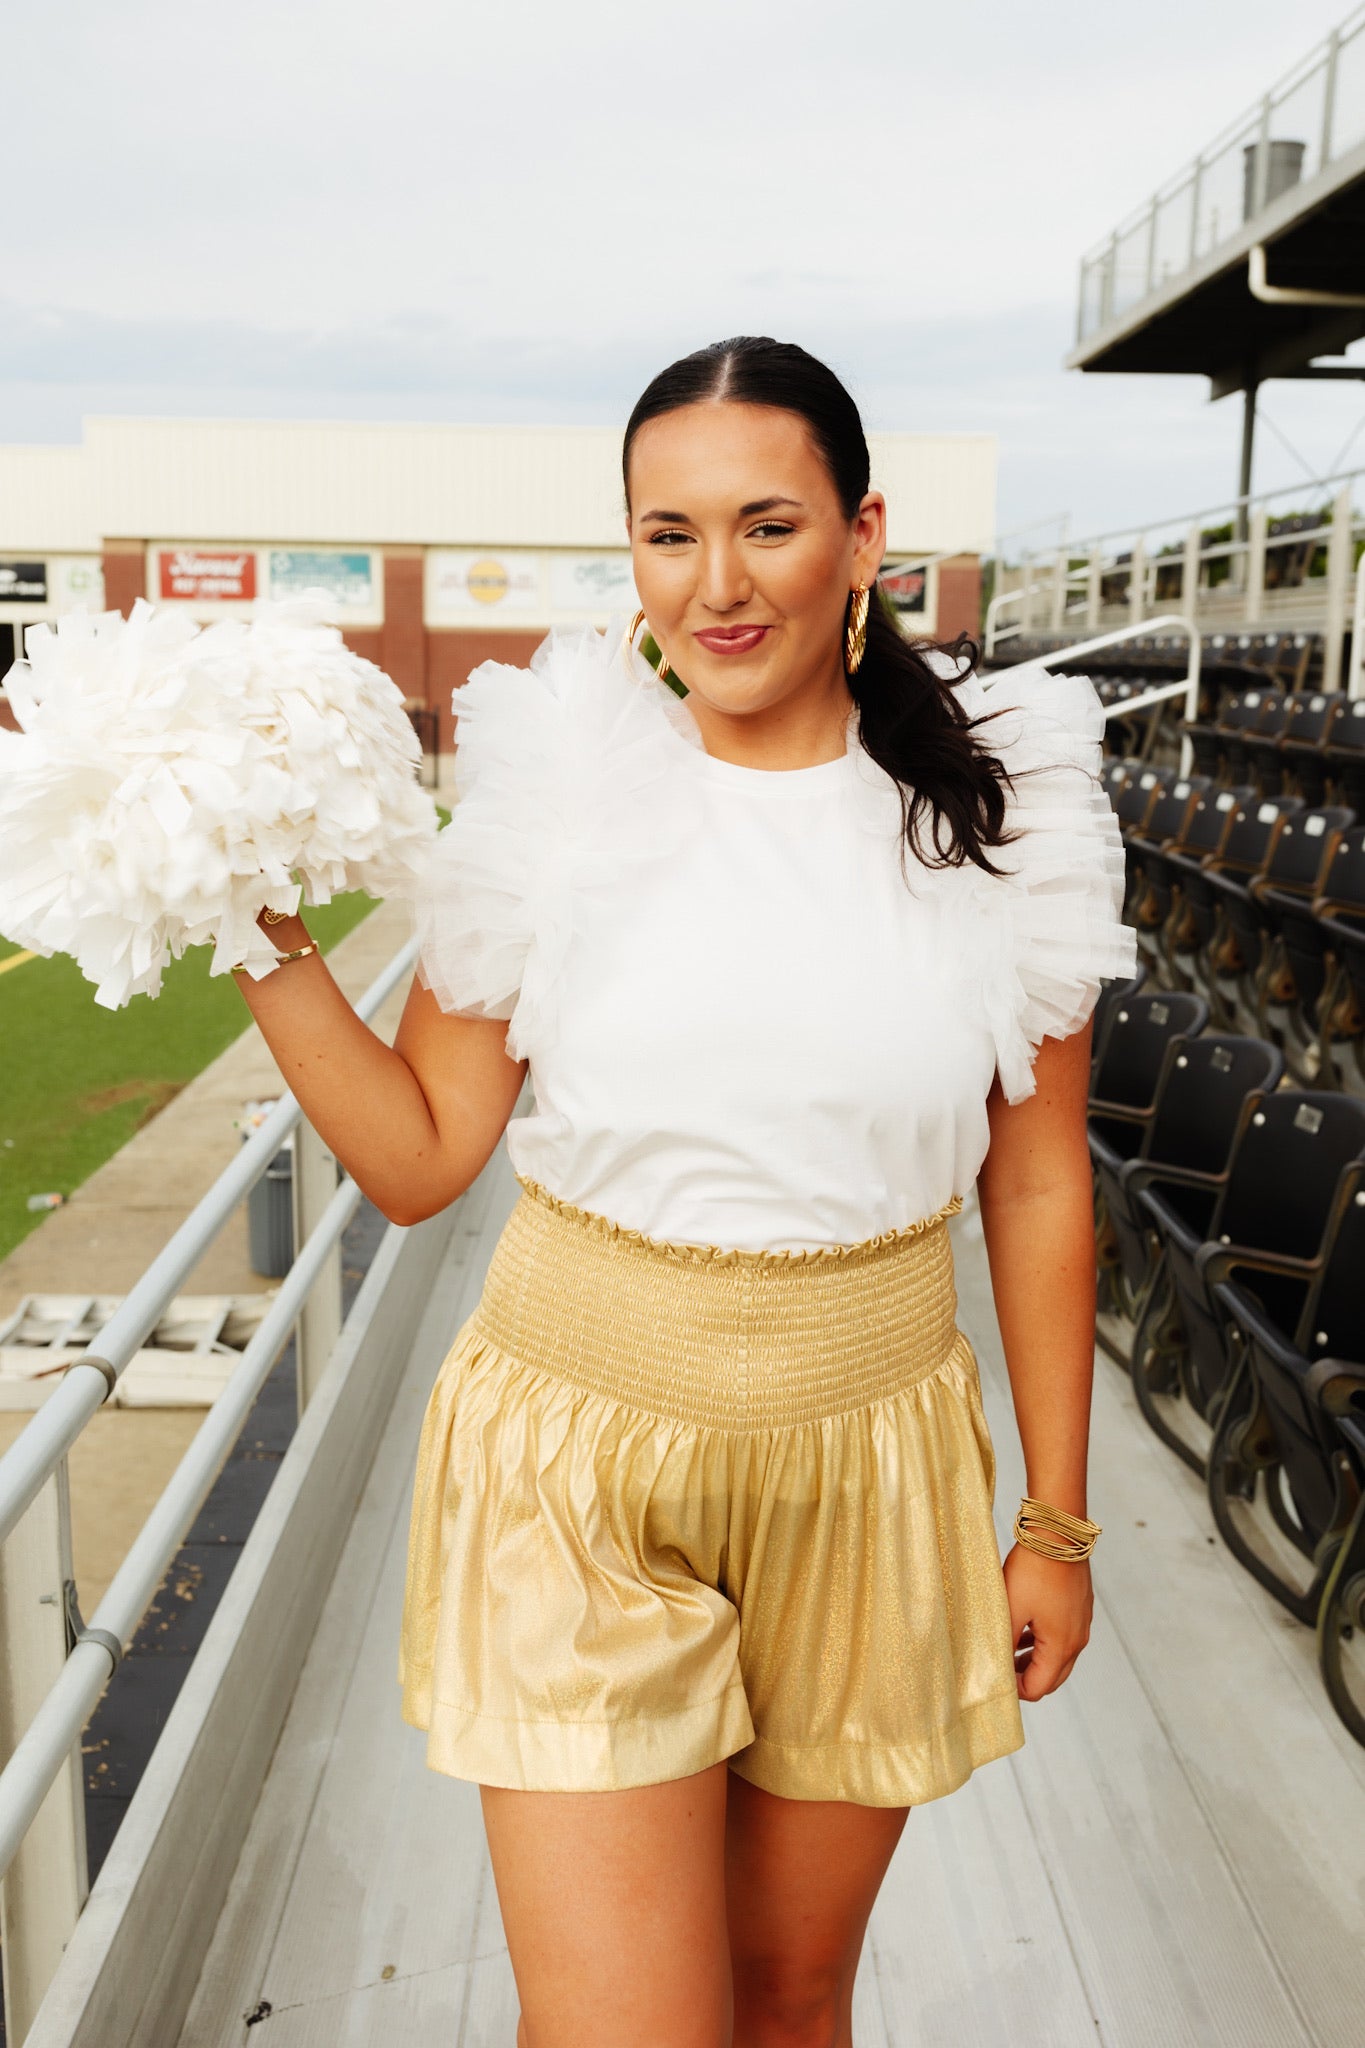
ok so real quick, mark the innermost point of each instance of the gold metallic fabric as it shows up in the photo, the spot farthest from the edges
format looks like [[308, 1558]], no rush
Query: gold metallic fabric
[[675, 1504]]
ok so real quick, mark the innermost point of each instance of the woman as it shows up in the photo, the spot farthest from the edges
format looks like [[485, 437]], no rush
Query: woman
[[703, 1588]]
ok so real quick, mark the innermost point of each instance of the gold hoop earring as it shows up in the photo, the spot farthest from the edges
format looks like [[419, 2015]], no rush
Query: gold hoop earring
[[661, 668], [855, 629]]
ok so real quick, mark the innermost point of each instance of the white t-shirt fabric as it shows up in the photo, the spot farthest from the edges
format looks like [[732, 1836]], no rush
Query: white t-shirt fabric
[[750, 1023]]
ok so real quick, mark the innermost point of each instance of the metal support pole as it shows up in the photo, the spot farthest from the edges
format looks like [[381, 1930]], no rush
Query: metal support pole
[[1137, 583], [1025, 591], [1248, 451], [319, 1324], [1189, 573], [1060, 568], [1150, 279], [1255, 585], [45, 1887], [1196, 193], [1329, 96], [1093, 589], [1340, 549], [1355, 679], [1260, 183]]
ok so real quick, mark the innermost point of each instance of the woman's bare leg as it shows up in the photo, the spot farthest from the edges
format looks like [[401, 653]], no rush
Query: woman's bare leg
[[802, 1876], [614, 1907]]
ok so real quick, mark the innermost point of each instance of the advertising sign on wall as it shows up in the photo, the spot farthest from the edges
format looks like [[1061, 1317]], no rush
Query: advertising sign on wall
[[469, 586], [23, 582], [908, 589], [206, 575], [526, 586], [32, 590], [347, 575], [593, 584], [75, 580]]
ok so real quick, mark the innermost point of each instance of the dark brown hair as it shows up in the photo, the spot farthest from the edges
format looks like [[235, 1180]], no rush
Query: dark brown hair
[[909, 717]]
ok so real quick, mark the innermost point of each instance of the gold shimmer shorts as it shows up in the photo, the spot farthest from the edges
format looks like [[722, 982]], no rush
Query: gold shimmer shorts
[[676, 1505]]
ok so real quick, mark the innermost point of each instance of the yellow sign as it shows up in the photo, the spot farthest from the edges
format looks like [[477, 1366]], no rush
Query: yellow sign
[[487, 581]]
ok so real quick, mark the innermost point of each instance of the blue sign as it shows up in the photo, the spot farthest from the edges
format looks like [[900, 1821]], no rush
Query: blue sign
[[347, 577]]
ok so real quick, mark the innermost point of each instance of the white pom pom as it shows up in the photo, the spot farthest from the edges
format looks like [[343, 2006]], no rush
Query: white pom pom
[[168, 783]]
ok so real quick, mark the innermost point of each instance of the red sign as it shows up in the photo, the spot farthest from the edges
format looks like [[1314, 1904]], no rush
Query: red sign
[[207, 576]]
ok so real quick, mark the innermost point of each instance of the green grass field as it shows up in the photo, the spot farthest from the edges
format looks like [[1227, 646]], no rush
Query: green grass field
[[77, 1081]]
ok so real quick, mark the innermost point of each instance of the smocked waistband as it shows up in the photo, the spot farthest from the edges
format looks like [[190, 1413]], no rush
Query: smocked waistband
[[721, 1339]]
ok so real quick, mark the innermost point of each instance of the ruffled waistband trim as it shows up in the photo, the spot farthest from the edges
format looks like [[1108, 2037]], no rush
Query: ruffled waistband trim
[[716, 1255]]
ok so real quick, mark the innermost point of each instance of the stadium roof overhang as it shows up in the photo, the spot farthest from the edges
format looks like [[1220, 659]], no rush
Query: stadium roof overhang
[[1209, 320]]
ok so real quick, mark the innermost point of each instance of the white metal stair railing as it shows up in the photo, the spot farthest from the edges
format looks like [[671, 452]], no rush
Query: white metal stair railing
[[53, 1667], [1076, 580], [1146, 700]]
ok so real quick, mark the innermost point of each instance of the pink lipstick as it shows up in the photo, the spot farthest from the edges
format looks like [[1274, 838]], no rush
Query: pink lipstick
[[731, 639]]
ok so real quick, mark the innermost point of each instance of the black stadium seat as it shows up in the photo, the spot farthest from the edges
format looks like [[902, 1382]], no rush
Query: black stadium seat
[[1123, 1093], [1339, 922], [1303, 760], [1251, 905], [1247, 846], [1166, 826], [1266, 1230], [1281, 1492], [1185, 1149], [1344, 755]]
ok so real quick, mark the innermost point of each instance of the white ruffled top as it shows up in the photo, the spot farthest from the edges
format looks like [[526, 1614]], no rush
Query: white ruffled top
[[748, 1023]]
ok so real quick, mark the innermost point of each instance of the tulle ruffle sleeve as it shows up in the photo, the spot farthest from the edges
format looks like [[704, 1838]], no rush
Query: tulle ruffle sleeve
[[562, 784], [1050, 931]]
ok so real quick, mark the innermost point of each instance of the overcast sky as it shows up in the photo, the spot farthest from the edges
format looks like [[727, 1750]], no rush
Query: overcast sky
[[518, 210]]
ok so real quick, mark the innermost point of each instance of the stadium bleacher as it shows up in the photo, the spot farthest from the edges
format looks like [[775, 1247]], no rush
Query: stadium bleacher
[[1227, 1114]]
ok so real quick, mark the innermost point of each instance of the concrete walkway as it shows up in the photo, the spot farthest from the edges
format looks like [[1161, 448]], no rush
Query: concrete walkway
[[1176, 1859]]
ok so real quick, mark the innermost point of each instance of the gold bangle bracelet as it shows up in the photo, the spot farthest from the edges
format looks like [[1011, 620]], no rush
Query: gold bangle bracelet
[[299, 953], [1051, 1532]]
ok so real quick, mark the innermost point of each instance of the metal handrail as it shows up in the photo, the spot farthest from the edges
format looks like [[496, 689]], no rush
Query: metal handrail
[[1247, 502], [1321, 61], [1188, 685], [1355, 674], [995, 633], [45, 1746], [87, 1384]]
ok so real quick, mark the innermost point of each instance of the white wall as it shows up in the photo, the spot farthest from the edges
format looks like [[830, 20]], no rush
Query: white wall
[[449, 486]]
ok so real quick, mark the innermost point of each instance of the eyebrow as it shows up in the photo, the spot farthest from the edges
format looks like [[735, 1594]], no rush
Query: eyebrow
[[749, 511]]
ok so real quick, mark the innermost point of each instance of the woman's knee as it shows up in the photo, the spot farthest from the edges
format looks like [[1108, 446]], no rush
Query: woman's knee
[[790, 2003]]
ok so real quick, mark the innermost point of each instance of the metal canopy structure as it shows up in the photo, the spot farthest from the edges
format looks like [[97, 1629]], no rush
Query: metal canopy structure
[[1250, 262]]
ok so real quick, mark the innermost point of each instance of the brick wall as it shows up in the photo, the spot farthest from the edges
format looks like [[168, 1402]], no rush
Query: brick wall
[[403, 635], [959, 597], [125, 575]]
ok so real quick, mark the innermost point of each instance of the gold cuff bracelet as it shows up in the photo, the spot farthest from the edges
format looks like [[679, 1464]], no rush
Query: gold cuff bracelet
[[1053, 1533]]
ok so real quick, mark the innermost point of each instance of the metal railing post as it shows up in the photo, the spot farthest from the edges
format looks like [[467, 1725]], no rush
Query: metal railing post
[[1339, 565], [1256, 539], [1060, 569], [1196, 193], [319, 1324], [1355, 675], [44, 1888], [1260, 182], [1190, 567], [1025, 591], [1093, 587], [1137, 582], [1329, 94]]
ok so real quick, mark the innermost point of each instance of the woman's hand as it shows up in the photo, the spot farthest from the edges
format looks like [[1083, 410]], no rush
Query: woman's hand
[[1051, 1603]]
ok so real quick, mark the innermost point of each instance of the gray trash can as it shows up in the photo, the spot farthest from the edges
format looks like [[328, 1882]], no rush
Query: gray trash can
[[270, 1217]]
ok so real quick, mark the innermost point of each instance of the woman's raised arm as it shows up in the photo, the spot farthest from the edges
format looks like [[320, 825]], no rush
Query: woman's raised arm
[[414, 1123]]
